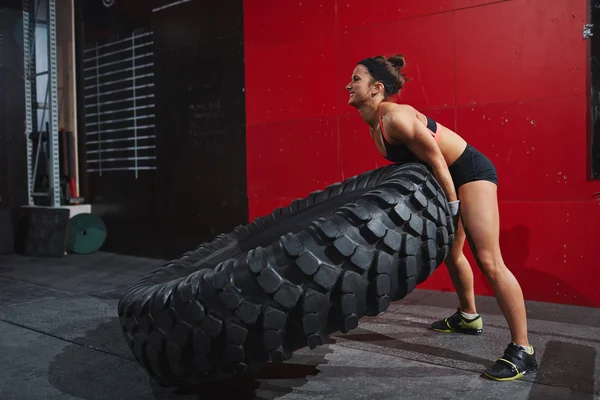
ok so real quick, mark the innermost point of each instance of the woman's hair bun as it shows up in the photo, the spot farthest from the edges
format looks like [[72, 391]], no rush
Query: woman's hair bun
[[397, 61]]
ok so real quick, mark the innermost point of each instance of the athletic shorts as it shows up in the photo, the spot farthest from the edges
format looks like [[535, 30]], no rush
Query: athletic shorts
[[472, 165]]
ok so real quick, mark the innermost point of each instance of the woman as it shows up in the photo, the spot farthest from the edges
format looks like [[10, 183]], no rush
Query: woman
[[469, 180]]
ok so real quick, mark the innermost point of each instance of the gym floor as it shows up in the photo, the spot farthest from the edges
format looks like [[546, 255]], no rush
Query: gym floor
[[61, 340]]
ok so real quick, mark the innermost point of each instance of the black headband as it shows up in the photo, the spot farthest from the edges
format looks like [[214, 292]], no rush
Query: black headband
[[380, 74]]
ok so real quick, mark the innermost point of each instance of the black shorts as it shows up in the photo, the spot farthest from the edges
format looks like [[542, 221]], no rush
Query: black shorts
[[472, 165]]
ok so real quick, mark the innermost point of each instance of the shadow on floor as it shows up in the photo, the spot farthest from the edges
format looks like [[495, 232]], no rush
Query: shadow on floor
[[249, 387], [95, 373], [568, 365], [564, 364], [367, 336]]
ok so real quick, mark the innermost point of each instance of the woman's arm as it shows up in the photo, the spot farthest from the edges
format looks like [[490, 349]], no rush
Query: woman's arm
[[404, 127]]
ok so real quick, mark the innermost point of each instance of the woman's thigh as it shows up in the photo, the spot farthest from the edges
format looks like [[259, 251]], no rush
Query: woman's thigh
[[480, 215]]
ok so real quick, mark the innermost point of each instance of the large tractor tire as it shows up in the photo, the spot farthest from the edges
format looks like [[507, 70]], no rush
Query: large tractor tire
[[288, 280]]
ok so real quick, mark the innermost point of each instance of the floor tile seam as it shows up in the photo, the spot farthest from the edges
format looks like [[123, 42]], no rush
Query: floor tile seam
[[67, 293], [34, 284], [137, 275], [70, 341], [37, 300], [42, 299]]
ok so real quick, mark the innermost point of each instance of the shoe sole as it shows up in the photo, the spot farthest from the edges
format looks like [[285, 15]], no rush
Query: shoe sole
[[472, 333], [520, 375], [510, 378]]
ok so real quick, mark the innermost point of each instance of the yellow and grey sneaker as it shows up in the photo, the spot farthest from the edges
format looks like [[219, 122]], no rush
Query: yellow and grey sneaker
[[457, 322], [514, 364]]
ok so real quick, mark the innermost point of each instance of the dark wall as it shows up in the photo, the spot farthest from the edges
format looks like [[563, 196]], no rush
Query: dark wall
[[594, 77], [13, 150], [198, 186]]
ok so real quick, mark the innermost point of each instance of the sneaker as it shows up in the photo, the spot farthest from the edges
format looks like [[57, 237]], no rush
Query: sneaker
[[458, 323], [514, 364]]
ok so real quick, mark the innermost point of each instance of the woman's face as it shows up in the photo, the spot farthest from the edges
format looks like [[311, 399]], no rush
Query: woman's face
[[360, 88]]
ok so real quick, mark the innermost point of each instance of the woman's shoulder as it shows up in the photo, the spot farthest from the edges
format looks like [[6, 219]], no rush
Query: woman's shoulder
[[397, 112], [397, 109]]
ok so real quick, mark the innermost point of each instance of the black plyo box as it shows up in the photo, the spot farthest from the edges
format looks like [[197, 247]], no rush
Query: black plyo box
[[42, 231]]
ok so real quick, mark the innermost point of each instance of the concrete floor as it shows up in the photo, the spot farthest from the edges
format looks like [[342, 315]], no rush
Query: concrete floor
[[60, 339]]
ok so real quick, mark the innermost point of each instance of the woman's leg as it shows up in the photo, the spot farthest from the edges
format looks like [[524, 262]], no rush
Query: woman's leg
[[460, 272], [465, 320], [479, 211]]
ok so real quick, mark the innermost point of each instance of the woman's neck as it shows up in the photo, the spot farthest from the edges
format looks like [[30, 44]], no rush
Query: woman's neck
[[370, 113]]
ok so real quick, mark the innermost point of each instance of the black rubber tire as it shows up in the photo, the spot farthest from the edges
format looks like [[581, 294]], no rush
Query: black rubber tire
[[287, 281], [265, 230]]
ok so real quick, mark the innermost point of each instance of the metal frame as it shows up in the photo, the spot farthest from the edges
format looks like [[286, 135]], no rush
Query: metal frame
[[53, 82], [29, 22], [31, 103]]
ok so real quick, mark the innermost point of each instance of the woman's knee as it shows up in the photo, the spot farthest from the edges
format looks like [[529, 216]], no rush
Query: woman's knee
[[490, 263], [456, 252], [456, 258]]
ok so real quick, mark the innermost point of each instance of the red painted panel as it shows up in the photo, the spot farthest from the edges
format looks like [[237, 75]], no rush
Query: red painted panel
[[522, 49], [550, 249], [260, 207], [429, 57], [533, 145], [581, 230], [267, 22], [291, 159], [357, 13], [473, 3], [536, 240], [291, 81]]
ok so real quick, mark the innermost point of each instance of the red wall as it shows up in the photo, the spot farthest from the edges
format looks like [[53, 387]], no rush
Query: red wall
[[510, 76]]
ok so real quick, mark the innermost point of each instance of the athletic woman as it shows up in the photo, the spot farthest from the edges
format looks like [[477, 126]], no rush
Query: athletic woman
[[403, 134]]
